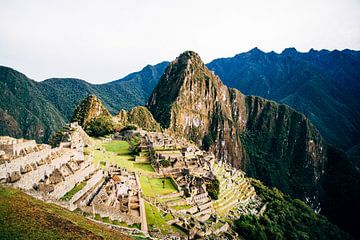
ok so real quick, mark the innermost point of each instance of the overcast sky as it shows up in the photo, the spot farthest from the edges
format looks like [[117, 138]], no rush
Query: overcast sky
[[100, 41]]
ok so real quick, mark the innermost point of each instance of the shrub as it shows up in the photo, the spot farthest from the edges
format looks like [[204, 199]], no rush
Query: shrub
[[100, 126], [213, 188]]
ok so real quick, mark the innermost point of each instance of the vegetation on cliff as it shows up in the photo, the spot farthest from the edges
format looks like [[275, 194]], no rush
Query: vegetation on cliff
[[321, 84], [285, 218], [279, 143], [269, 141]]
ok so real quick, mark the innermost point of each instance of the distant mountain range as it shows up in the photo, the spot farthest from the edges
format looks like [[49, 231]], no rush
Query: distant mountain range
[[36, 110], [324, 85]]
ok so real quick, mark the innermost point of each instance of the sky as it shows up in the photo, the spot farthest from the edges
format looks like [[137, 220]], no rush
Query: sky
[[101, 41]]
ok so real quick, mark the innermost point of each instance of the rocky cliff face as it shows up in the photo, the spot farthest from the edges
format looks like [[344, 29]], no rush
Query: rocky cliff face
[[88, 109], [271, 142]]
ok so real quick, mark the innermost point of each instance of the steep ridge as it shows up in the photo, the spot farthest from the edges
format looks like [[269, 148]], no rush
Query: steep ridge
[[191, 101]]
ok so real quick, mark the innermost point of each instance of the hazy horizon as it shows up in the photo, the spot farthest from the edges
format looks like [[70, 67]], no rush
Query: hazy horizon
[[104, 41]]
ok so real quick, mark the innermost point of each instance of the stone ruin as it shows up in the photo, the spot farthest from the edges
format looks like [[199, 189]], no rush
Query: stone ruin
[[118, 198], [190, 169], [52, 171]]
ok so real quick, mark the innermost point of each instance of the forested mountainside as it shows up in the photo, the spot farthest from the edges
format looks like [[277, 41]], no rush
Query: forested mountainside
[[324, 85], [24, 112], [36, 110], [321, 84]]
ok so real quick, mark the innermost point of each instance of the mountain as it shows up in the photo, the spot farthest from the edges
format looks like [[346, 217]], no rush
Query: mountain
[[24, 112], [324, 85], [341, 191], [36, 110], [88, 109], [128, 92], [140, 116], [269, 141]]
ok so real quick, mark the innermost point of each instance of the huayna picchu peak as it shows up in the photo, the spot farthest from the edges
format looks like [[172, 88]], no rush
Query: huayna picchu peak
[[269, 141]]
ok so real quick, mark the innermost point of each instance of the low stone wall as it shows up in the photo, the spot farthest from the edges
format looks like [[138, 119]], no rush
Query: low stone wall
[[63, 187], [28, 180], [15, 165], [89, 184]]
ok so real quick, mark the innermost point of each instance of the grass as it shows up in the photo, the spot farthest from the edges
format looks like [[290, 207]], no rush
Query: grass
[[181, 207], [119, 147], [117, 152], [73, 191], [152, 187], [155, 218], [24, 217]]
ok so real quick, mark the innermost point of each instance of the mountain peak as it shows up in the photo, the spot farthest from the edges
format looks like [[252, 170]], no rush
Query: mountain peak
[[186, 79], [89, 108], [289, 51], [256, 50]]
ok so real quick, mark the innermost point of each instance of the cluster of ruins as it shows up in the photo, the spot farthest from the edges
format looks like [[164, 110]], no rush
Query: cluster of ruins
[[190, 169], [52, 173], [69, 177]]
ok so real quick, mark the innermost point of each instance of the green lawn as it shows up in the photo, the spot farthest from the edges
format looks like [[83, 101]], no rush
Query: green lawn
[[73, 191], [119, 147], [181, 207], [117, 152], [154, 186]]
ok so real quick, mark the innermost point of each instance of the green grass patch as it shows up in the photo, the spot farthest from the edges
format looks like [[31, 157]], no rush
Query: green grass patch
[[181, 207], [154, 186], [119, 147], [73, 191]]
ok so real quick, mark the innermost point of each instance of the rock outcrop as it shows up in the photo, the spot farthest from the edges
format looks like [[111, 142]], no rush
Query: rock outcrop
[[140, 116], [269, 141], [88, 109]]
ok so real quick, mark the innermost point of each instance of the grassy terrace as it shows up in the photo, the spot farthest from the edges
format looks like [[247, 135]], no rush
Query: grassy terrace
[[73, 191], [118, 152], [24, 217], [155, 218], [152, 187]]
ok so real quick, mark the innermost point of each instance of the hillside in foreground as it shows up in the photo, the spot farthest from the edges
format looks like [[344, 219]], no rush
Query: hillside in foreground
[[24, 217]]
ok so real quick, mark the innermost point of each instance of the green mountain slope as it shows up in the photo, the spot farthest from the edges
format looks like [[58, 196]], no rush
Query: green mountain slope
[[128, 92], [323, 85], [285, 218], [36, 110], [24, 111]]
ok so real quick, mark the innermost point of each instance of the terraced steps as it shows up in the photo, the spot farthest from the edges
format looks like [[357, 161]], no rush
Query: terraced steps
[[234, 189]]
